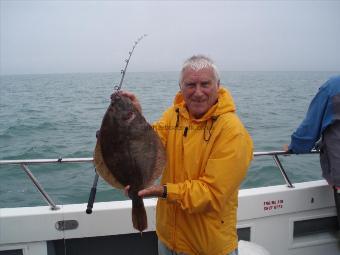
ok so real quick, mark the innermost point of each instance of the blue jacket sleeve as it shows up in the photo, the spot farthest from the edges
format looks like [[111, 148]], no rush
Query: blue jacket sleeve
[[309, 131]]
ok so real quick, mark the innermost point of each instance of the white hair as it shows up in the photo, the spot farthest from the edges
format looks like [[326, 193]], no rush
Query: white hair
[[199, 62]]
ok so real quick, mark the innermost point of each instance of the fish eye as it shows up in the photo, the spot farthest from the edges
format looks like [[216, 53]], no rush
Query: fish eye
[[127, 116]]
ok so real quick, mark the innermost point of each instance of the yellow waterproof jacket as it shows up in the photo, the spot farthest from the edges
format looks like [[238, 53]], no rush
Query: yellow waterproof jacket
[[207, 159]]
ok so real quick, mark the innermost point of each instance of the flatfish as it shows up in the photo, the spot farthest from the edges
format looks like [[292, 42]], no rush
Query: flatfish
[[129, 152]]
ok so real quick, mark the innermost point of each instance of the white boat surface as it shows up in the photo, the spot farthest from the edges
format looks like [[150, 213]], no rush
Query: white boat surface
[[286, 220]]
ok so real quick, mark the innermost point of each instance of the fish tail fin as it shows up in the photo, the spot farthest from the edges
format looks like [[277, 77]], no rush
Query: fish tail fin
[[139, 219]]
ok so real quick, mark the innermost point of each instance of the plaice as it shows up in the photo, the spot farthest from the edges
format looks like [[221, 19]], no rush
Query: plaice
[[129, 152]]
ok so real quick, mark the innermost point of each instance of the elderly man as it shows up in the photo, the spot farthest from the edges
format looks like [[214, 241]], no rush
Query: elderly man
[[208, 154]]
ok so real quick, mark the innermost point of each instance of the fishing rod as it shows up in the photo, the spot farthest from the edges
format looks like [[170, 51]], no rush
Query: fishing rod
[[117, 88], [127, 61], [92, 193]]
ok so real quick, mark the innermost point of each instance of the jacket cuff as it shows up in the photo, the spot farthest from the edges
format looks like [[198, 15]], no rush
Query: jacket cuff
[[290, 149], [173, 192]]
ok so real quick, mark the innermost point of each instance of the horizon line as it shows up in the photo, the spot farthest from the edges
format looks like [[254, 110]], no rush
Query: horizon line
[[168, 71]]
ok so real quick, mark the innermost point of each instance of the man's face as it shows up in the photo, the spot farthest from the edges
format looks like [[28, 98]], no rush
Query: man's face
[[199, 89]]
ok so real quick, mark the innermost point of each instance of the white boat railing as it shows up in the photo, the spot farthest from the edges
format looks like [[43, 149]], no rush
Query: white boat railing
[[25, 162], [275, 155]]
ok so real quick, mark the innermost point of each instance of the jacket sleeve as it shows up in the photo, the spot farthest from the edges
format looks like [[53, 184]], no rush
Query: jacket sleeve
[[224, 172], [309, 131]]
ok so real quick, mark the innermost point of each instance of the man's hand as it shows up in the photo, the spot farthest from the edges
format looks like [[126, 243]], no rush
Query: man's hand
[[285, 147], [153, 191], [133, 99], [126, 190]]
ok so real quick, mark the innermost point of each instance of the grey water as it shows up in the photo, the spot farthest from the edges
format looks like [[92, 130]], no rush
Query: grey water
[[57, 115]]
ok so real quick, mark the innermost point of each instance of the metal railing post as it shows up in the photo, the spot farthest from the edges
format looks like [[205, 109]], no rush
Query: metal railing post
[[39, 187], [283, 172]]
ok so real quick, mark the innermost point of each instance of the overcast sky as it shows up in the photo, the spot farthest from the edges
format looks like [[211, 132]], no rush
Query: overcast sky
[[95, 36]]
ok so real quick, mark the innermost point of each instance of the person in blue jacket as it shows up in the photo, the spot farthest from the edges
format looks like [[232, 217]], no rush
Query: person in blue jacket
[[321, 130]]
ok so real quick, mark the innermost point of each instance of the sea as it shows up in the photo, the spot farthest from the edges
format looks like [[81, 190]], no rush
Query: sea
[[49, 116]]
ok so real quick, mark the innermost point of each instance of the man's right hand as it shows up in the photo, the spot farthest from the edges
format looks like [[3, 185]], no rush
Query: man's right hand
[[133, 99], [285, 147]]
